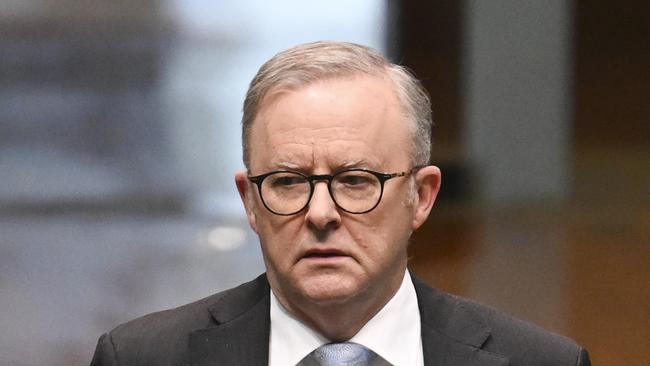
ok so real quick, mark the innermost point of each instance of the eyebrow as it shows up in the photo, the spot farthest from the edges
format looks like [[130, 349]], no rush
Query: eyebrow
[[358, 163], [348, 164], [286, 165]]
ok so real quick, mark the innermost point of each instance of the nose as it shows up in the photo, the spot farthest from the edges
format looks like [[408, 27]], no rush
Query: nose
[[322, 212]]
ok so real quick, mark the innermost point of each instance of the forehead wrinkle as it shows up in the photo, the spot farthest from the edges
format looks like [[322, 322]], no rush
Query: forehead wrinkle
[[311, 154], [291, 164]]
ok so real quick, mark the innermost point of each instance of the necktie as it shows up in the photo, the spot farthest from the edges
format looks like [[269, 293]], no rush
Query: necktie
[[342, 354]]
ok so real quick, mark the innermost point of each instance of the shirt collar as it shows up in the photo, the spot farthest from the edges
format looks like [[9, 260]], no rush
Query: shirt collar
[[393, 333], [290, 340]]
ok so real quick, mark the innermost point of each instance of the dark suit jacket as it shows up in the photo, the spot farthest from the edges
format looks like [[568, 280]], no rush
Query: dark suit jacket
[[232, 328]]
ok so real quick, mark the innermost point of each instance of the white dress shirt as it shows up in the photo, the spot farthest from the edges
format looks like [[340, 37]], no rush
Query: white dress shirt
[[393, 333]]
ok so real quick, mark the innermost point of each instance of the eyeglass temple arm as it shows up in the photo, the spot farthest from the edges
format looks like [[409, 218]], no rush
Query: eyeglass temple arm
[[402, 174]]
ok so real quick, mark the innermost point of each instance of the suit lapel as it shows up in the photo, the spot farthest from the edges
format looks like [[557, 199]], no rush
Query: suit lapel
[[451, 334], [241, 333], [440, 350]]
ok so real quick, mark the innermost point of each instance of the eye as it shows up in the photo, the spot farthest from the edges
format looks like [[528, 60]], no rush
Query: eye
[[287, 180], [354, 180]]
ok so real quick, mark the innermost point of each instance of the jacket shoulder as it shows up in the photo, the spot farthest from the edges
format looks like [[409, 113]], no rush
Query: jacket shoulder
[[494, 331], [523, 342], [162, 338]]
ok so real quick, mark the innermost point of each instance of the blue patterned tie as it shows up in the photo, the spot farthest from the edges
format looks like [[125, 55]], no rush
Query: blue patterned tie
[[342, 354]]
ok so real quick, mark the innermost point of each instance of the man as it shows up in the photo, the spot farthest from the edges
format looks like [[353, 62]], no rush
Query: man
[[336, 145]]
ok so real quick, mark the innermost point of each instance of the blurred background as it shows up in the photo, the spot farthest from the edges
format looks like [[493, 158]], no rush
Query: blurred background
[[120, 135]]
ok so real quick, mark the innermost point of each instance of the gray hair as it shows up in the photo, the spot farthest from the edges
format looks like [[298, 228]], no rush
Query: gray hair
[[310, 62]]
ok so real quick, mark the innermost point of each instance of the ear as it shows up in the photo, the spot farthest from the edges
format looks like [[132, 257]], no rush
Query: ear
[[246, 193], [427, 183]]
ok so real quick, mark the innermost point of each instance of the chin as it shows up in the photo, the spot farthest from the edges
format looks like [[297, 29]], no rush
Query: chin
[[332, 288]]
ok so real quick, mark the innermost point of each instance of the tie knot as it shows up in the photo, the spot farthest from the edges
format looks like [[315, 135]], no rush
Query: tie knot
[[341, 354]]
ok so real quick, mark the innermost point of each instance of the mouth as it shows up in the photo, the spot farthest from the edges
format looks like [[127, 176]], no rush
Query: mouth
[[325, 254]]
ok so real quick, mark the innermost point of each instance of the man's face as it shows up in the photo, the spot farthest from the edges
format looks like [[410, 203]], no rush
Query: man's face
[[323, 255]]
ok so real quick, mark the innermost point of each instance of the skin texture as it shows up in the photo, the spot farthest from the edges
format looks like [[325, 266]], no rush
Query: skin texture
[[321, 128]]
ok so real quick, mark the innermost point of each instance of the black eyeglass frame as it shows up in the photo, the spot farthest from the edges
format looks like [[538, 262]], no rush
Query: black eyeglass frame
[[382, 177]]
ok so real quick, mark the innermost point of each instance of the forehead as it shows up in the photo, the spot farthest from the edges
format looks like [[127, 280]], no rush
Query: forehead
[[334, 122]]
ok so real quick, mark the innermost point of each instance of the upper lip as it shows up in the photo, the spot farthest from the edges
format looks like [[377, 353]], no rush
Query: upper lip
[[325, 252]]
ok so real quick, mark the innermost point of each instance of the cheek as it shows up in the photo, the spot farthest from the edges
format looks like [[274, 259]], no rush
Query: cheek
[[278, 235], [381, 239]]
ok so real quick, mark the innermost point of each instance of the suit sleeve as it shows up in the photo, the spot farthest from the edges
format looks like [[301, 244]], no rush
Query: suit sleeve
[[583, 358], [105, 352]]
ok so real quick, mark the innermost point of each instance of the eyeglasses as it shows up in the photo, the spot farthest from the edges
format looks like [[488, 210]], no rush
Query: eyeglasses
[[355, 191]]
